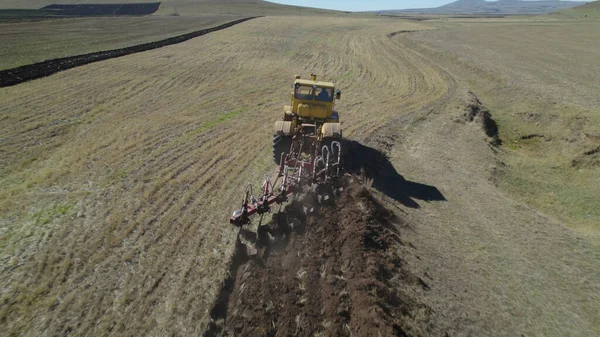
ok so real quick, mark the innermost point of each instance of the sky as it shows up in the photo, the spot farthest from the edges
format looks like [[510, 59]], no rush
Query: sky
[[369, 5]]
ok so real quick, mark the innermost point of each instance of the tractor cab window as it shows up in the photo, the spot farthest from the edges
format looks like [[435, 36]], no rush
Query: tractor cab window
[[303, 92], [324, 94]]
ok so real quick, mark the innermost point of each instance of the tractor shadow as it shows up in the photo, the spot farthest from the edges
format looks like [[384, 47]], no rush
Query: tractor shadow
[[373, 164]]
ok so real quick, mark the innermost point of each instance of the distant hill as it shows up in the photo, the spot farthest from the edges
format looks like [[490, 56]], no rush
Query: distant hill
[[500, 7], [589, 10]]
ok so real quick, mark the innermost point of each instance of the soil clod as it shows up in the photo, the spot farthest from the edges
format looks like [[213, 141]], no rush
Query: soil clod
[[477, 112]]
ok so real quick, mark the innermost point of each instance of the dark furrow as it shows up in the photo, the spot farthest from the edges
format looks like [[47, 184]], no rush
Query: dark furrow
[[34, 71]]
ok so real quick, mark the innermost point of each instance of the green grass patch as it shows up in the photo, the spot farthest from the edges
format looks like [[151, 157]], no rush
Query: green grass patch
[[47, 215], [186, 136], [554, 187], [220, 119], [287, 53]]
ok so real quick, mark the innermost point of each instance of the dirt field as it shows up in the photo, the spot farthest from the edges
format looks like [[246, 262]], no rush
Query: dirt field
[[117, 180]]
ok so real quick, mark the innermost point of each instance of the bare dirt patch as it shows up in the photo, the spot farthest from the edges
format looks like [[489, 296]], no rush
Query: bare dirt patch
[[334, 271], [590, 158], [400, 32], [478, 113]]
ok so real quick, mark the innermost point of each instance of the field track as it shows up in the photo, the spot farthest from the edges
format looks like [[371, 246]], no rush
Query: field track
[[118, 177]]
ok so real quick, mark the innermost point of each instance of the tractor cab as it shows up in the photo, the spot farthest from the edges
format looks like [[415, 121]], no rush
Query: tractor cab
[[312, 99], [310, 117]]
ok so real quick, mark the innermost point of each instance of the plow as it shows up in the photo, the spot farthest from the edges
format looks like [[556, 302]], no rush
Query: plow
[[307, 148]]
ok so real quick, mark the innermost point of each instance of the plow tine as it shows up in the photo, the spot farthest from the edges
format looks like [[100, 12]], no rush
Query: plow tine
[[339, 156], [282, 163]]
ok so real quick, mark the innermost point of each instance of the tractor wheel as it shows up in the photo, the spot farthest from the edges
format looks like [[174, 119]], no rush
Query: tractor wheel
[[281, 144]]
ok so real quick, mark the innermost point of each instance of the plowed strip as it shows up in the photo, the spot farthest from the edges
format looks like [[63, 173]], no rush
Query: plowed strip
[[338, 275]]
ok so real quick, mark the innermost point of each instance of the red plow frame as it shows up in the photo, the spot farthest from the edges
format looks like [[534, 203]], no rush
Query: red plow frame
[[321, 169]]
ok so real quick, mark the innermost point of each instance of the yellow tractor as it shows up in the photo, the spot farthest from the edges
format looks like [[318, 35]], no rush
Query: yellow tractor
[[310, 121], [307, 146]]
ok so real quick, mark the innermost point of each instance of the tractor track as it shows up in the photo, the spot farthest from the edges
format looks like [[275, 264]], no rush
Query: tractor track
[[334, 272]]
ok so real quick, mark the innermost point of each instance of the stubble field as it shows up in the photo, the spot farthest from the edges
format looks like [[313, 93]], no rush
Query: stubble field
[[32, 42], [117, 180]]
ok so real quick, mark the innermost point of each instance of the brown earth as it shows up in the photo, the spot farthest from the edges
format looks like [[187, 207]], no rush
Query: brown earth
[[330, 269]]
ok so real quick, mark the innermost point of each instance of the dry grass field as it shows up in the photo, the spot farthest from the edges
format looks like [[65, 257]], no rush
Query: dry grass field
[[193, 7], [35, 4], [237, 7], [539, 79], [117, 178], [116, 189], [590, 10], [31, 42]]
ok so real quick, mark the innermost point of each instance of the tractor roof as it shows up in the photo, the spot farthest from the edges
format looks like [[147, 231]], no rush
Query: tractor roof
[[317, 83]]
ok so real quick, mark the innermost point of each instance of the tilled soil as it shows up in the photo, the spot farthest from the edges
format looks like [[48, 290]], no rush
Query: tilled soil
[[325, 271]]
